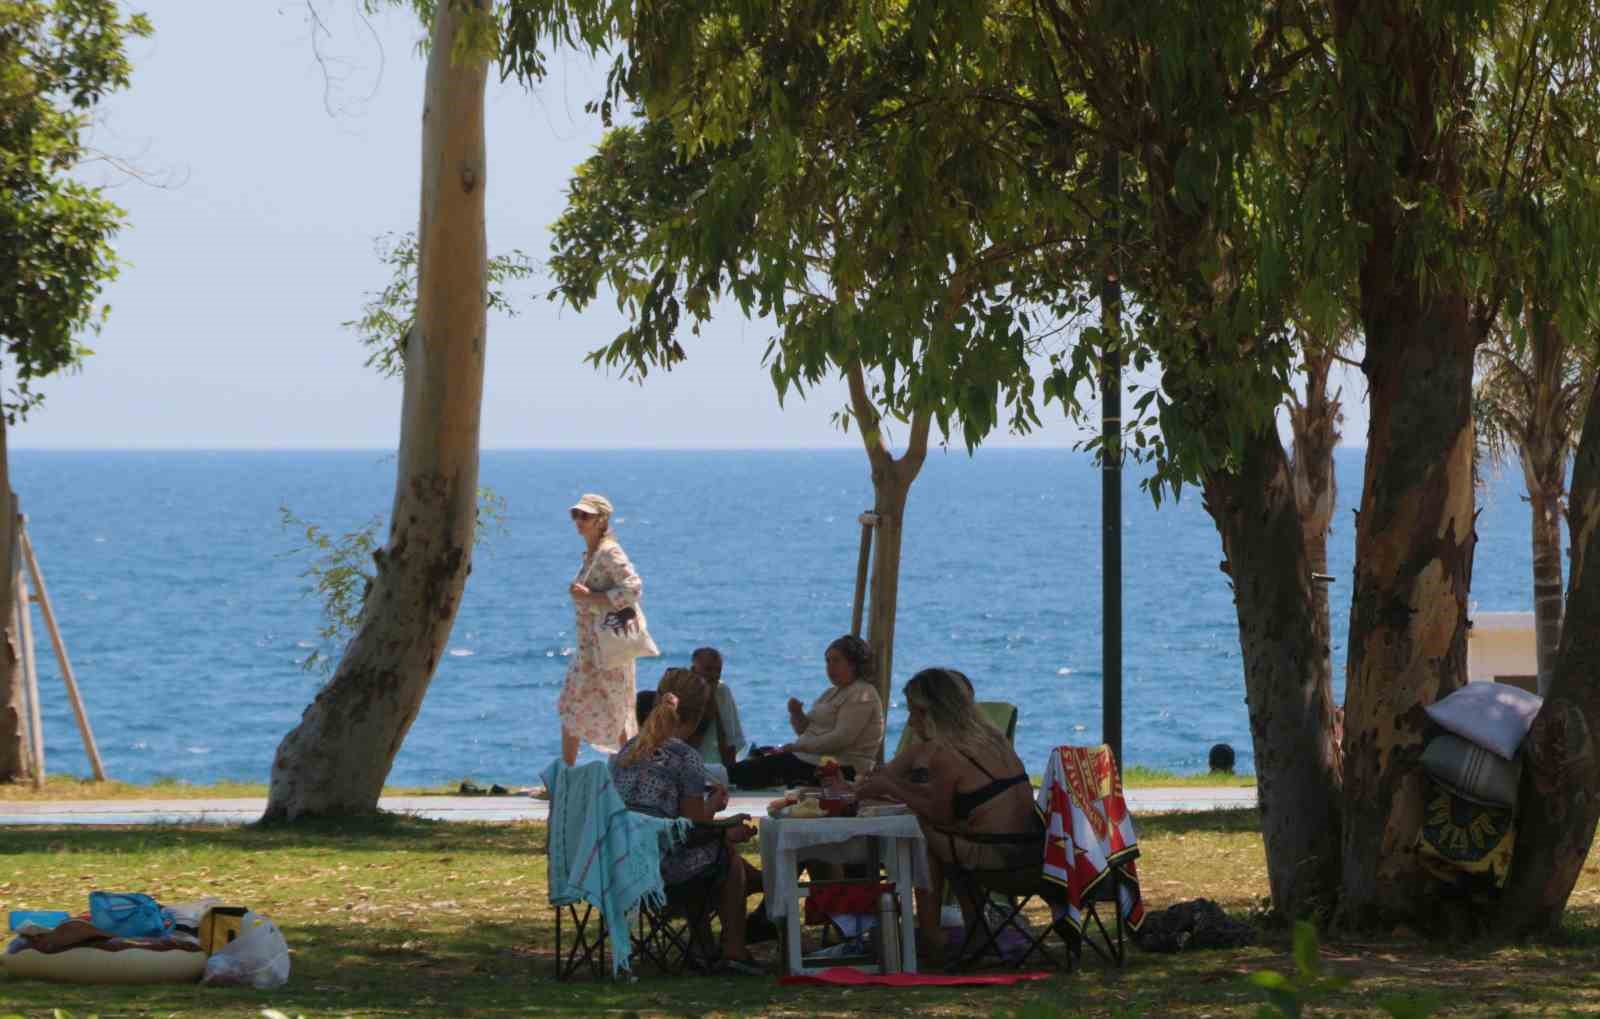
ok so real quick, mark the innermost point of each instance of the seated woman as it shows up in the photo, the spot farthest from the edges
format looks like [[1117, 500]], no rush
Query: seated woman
[[976, 805], [658, 773], [845, 723]]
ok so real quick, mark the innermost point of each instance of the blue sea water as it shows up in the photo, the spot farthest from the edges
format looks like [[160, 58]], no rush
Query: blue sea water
[[185, 619]]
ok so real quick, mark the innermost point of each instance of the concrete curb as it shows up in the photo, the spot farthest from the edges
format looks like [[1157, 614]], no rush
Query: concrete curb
[[486, 808]]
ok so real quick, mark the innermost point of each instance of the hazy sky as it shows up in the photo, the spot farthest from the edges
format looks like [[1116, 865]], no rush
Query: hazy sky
[[253, 240]]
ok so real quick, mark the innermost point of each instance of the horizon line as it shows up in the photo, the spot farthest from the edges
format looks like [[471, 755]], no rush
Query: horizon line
[[666, 448]]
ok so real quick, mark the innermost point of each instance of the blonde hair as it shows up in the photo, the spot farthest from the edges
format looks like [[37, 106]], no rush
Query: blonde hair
[[681, 699], [953, 716]]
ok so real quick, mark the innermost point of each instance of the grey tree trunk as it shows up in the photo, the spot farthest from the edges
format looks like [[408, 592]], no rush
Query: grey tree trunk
[[16, 764], [1287, 671], [335, 762], [891, 484]]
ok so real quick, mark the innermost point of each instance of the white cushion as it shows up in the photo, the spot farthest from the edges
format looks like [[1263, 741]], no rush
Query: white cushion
[[1473, 772], [1494, 716]]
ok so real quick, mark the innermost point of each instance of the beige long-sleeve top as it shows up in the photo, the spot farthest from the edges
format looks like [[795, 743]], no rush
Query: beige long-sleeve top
[[845, 723]]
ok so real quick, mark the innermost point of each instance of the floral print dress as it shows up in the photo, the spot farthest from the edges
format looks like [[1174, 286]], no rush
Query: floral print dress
[[596, 704]]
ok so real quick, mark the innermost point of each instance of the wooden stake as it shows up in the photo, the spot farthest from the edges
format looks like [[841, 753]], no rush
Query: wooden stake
[[30, 678], [61, 656], [867, 521]]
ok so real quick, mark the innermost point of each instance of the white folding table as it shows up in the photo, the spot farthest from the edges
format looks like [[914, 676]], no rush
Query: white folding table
[[895, 840]]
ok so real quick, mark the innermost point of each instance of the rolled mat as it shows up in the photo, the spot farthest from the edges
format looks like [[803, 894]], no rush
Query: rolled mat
[[855, 978]]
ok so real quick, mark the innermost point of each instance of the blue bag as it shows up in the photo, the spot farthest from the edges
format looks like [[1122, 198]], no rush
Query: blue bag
[[49, 919], [126, 914]]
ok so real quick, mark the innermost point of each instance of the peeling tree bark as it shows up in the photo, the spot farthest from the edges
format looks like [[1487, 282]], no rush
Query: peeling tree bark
[[1401, 74], [1559, 802], [335, 762], [891, 484], [1288, 674], [1408, 613]]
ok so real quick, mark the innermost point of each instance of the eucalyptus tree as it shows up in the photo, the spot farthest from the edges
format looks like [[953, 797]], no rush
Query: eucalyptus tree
[[336, 760], [58, 60], [1431, 175], [936, 167], [1222, 248], [888, 290]]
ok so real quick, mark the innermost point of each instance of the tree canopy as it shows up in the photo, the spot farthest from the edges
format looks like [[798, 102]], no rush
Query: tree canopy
[[58, 60]]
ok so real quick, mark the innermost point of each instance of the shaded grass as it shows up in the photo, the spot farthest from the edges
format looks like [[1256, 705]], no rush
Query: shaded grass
[[403, 917]]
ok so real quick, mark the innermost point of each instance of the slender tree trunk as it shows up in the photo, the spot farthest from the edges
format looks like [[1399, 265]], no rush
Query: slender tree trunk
[[16, 764], [336, 760], [1559, 802], [1315, 425], [891, 484], [1543, 450], [1288, 674]]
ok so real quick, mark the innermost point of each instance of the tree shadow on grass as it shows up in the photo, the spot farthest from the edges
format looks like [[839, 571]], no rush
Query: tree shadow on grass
[[393, 832]]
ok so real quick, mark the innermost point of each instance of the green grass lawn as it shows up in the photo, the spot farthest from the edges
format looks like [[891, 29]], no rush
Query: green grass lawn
[[401, 917]]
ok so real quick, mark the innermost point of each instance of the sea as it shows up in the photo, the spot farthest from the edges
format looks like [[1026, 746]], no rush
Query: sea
[[186, 610]]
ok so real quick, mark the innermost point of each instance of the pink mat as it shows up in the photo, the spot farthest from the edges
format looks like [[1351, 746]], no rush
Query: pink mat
[[855, 978]]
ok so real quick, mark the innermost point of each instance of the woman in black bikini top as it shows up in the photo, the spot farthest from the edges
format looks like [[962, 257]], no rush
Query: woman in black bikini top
[[990, 827]]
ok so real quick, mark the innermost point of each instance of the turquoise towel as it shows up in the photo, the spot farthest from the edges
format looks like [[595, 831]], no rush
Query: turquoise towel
[[601, 852]]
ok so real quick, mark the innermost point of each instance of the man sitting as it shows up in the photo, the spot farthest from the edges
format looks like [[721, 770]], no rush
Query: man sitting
[[720, 735]]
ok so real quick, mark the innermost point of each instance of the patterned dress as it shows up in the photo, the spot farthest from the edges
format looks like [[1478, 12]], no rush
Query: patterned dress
[[596, 704], [654, 786]]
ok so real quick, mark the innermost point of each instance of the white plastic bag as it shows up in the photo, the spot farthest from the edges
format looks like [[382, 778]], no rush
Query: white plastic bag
[[258, 957]]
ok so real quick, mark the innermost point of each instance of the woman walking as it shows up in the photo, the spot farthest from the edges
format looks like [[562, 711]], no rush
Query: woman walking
[[597, 702]]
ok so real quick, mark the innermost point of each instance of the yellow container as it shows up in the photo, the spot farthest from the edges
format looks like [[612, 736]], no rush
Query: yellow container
[[220, 925]]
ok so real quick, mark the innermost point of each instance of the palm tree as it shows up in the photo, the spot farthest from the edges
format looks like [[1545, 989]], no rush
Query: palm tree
[[1531, 389]]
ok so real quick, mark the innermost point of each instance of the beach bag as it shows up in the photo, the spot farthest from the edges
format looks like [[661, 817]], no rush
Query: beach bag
[[623, 636], [126, 914]]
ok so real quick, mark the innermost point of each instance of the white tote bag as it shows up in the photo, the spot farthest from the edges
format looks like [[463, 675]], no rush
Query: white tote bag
[[623, 636]]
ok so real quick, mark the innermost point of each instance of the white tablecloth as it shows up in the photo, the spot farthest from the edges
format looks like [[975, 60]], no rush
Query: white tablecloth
[[831, 838]]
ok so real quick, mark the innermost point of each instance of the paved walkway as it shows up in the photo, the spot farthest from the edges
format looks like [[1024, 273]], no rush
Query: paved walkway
[[483, 808]]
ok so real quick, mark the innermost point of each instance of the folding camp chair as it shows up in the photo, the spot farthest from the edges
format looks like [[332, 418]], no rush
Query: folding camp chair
[[664, 934], [1088, 862], [668, 935]]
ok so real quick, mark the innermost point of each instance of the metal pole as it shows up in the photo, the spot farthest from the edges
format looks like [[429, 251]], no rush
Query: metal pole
[[1111, 468]]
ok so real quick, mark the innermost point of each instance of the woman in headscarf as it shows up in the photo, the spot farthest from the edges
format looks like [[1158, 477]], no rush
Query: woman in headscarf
[[845, 723], [597, 703]]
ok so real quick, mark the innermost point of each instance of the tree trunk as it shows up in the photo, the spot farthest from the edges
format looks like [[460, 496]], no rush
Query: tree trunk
[[336, 760], [1559, 802], [891, 484], [1402, 77], [1543, 450], [1288, 673], [1408, 613], [16, 764]]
